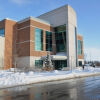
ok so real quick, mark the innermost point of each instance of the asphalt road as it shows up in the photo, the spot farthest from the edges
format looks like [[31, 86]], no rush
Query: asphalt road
[[74, 89]]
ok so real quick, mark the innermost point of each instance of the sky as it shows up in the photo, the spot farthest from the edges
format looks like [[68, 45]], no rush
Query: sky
[[88, 18]]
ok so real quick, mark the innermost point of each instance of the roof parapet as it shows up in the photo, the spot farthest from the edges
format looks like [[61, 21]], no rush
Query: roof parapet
[[36, 19]]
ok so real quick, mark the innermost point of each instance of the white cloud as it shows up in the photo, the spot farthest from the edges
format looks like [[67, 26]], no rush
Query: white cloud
[[21, 1], [92, 54]]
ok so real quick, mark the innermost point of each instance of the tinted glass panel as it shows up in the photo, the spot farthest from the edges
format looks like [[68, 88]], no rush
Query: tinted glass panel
[[80, 63], [59, 64], [38, 39], [76, 44], [60, 36], [38, 63], [79, 47], [48, 41], [2, 32], [60, 28]]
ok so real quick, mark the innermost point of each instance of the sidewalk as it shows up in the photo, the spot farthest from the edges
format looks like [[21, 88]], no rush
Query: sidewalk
[[11, 79]]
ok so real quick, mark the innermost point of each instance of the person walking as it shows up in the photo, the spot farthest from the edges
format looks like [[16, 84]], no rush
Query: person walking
[[94, 65], [83, 67]]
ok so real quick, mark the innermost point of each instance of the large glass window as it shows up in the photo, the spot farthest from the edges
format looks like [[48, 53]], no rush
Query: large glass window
[[60, 36], [76, 45], [2, 32], [79, 47], [38, 39], [80, 63], [48, 41], [38, 63], [59, 64]]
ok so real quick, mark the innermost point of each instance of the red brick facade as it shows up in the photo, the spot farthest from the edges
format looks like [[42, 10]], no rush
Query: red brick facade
[[82, 55], [26, 38], [10, 31], [20, 40]]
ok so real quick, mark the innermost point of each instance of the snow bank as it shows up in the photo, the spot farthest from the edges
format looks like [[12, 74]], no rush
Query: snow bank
[[9, 79]]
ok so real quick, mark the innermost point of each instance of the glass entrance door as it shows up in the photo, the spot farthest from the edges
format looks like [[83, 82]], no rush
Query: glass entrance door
[[59, 64]]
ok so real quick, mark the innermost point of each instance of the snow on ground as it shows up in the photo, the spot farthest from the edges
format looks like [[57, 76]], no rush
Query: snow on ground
[[9, 79]]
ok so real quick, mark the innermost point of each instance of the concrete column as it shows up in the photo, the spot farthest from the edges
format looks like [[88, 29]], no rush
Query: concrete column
[[2, 49], [70, 36]]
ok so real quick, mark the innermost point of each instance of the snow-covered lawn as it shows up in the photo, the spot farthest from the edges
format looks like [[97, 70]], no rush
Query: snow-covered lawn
[[9, 79]]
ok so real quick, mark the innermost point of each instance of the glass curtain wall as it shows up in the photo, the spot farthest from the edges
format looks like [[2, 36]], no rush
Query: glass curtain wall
[[38, 39], [60, 36], [76, 45], [2, 32], [48, 41], [79, 47]]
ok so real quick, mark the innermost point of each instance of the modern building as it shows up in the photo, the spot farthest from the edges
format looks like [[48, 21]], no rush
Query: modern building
[[26, 42]]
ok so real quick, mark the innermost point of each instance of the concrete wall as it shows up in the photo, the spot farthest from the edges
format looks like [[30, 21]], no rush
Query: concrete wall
[[72, 23], [26, 62], [2, 49], [32, 60], [23, 62], [56, 17]]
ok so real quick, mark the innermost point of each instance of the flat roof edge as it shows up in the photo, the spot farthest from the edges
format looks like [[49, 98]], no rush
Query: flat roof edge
[[64, 6], [36, 19], [8, 19]]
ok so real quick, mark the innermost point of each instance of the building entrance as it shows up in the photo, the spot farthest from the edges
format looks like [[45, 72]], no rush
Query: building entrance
[[59, 64]]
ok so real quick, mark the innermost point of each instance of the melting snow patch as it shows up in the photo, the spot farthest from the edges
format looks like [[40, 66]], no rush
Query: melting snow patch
[[9, 79]]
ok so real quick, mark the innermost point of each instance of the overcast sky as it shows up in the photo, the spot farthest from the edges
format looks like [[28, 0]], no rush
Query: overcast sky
[[88, 17]]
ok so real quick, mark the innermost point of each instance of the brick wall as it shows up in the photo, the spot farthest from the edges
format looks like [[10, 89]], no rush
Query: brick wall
[[10, 31], [82, 55], [20, 40], [26, 38]]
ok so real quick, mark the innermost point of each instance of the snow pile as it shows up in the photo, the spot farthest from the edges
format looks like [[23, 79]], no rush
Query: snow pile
[[56, 71], [9, 79]]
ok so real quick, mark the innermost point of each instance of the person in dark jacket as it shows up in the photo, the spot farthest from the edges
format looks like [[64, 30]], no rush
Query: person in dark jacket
[[83, 67], [94, 65]]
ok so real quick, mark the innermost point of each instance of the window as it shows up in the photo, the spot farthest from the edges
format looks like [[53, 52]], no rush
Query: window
[[80, 63], [60, 28], [38, 63], [59, 64], [60, 36], [79, 47], [38, 39], [76, 44], [2, 32], [48, 41]]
